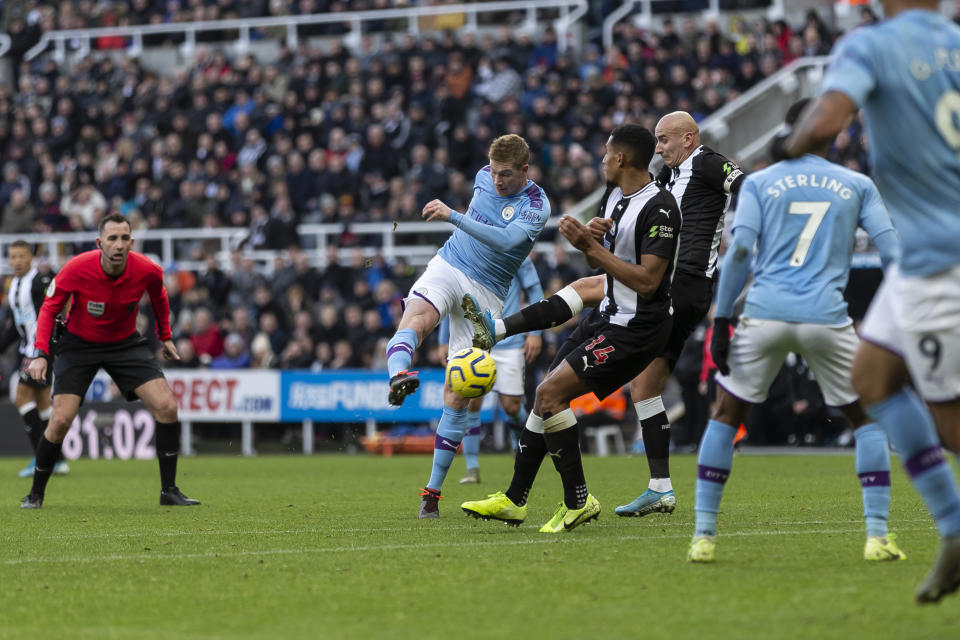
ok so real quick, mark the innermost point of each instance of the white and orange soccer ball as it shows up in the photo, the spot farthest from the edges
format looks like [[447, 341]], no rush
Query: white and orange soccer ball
[[471, 372]]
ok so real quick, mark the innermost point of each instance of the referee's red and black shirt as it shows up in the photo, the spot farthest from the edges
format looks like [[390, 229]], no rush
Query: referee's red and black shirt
[[104, 308]]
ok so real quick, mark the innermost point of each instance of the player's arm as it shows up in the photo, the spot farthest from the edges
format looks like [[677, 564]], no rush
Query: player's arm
[[722, 174], [875, 220], [533, 290], [848, 82], [644, 278], [57, 295], [736, 263], [527, 227]]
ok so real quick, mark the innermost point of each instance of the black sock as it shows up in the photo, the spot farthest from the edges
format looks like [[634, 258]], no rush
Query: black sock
[[168, 445], [47, 455], [656, 441], [541, 315], [34, 427], [530, 453], [564, 447]]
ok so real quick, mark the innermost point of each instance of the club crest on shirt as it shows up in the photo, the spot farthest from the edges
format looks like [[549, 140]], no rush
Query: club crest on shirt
[[96, 308], [507, 212]]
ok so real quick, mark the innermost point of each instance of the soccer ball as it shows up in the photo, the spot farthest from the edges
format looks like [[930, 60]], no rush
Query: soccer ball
[[471, 372]]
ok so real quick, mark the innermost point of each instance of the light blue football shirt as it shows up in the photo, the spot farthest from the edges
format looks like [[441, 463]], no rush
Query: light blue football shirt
[[905, 75], [806, 212], [526, 281], [513, 224]]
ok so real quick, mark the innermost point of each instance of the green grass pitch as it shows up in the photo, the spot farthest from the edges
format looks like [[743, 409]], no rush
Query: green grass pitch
[[330, 547]]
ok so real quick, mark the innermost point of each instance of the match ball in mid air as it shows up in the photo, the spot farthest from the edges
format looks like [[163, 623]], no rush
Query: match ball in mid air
[[471, 372]]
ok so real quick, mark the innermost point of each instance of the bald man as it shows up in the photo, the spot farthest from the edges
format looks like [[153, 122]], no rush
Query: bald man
[[702, 181]]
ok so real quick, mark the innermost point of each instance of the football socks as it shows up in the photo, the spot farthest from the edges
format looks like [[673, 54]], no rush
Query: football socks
[[873, 470], [713, 468], [471, 441], [656, 435], [453, 424], [910, 428], [168, 446], [400, 350]]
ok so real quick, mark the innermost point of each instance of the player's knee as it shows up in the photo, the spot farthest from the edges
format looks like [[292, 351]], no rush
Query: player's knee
[[511, 404], [166, 411], [57, 428], [549, 399], [589, 289], [453, 399]]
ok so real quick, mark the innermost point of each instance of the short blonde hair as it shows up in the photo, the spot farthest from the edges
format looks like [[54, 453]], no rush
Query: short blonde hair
[[510, 149]]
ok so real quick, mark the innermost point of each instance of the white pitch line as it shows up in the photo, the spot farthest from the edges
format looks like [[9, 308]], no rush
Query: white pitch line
[[415, 546], [152, 535]]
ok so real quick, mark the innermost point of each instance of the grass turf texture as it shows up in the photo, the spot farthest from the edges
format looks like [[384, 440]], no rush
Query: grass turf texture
[[330, 547]]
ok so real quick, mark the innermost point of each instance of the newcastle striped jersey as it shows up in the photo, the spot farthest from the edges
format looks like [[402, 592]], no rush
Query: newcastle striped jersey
[[702, 185], [645, 222], [25, 296]]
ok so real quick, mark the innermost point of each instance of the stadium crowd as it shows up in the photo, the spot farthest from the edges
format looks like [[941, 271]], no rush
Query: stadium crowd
[[326, 135]]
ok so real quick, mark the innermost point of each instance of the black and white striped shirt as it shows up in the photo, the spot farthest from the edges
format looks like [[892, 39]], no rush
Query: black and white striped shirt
[[646, 222], [702, 186], [25, 297]]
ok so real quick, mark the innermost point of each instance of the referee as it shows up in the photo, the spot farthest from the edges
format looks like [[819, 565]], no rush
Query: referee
[[106, 285]]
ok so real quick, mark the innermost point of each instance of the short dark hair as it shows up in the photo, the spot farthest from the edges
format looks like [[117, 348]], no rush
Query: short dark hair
[[793, 113], [637, 143], [22, 243], [113, 217]]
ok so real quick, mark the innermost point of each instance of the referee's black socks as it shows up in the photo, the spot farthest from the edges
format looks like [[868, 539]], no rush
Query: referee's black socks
[[553, 311], [48, 453], [168, 446]]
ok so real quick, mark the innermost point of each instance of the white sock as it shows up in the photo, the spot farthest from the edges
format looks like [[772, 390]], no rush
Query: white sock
[[660, 485], [499, 329]]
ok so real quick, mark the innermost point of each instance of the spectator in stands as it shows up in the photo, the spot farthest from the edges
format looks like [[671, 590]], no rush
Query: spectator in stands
[[206, 337], [234, 356]]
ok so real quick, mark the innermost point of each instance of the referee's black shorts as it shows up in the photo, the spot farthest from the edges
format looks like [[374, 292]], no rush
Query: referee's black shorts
[[130, 363], [692, 296], [607, 356]]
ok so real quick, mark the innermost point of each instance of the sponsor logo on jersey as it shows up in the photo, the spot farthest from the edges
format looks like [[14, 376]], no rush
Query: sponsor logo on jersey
[[507, 212], [96, 308], [661, 231]]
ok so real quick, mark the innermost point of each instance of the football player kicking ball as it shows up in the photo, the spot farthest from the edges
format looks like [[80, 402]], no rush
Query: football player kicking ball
[[511, 357], [803, 215], [106, 285], [611, 345], [474, 267]]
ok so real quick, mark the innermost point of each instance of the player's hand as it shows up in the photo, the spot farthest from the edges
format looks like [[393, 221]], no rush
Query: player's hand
[[170, 350], [443, 350], [531, 347], [37, 369], [577, 234], [436, 210], [598, 227], [720, 344]]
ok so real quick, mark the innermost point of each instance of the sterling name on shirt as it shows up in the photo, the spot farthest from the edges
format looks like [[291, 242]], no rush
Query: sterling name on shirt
[[809, 180]]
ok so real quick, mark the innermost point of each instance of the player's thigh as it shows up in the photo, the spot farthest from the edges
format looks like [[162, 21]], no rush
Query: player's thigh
[[158, 398], [691, 297], [757, 351], [829, 352], [590, 290], [461, 329], [510, 369], [927, 312], [72, 373], [437, 285], [947, 417], [612, 355]]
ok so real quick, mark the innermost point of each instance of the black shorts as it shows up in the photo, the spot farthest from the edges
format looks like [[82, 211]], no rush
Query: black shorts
[[607, 356], [692, 296], [129, 362]]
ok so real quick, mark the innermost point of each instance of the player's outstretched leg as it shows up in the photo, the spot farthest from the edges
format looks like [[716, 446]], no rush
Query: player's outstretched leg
[[403, 382], [944, 578], [873, 470], [713, 468], [497, 506]]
